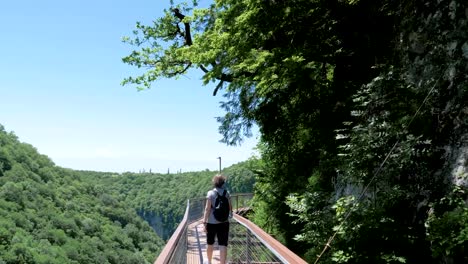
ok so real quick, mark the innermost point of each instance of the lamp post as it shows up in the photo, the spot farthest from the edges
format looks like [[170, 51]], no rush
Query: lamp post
[[219, 164]]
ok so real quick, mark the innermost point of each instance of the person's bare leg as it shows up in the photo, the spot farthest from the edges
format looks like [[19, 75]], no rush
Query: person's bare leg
[[222, 254], [209, 252]]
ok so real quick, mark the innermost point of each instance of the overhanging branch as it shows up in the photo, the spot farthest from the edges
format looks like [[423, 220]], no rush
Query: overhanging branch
[[187, 36], [188, 42], [175, 73]]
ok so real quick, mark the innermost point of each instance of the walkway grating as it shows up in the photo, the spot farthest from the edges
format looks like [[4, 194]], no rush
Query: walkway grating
[[197, 245]]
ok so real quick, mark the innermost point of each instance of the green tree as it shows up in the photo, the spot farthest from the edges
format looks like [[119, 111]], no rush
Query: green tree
[[288, 66], [46, 214], [334, 87]]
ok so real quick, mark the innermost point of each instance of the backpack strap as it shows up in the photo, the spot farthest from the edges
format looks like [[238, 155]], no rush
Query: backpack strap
[[217, 194]]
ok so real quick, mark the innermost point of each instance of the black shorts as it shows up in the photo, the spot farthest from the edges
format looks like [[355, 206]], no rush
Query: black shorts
[[220, 230]]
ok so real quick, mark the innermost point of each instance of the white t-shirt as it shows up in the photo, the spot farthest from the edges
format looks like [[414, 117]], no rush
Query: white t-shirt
[[212, 196]]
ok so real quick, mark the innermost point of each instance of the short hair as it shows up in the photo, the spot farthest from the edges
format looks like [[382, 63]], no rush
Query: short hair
[[219, 180]]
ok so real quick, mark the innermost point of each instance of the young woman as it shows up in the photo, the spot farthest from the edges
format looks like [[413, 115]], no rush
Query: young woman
[[213, 227]]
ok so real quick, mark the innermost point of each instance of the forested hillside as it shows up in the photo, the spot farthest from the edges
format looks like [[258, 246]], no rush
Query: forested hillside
[[362, 110], [161, 199], [50, 215]]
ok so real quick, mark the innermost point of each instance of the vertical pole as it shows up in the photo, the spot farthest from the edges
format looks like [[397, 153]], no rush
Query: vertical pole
[[248, 255], [219, 165]]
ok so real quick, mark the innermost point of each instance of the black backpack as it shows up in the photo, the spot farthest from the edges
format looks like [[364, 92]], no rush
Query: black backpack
[[221, 207]]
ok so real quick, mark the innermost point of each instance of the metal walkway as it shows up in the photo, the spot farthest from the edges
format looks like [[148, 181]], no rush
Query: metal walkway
[[247, 242], [196, 250]]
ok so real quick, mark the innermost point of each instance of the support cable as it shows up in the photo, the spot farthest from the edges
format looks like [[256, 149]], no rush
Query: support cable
[[330, 240]]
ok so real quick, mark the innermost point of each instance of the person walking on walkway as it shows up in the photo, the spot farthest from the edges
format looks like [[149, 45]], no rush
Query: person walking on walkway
[[218, 209]]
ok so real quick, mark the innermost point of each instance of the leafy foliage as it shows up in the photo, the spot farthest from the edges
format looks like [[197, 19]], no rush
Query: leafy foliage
[[54, 215], [50, 215], [447, 227], [158, 198], [362, 111], [161, 199]]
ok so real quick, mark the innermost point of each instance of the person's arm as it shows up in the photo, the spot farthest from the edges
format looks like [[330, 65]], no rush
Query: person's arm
[[230, 207], [206, 215]]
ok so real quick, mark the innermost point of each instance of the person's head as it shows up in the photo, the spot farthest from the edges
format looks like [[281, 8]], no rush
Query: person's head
[[219, 180]]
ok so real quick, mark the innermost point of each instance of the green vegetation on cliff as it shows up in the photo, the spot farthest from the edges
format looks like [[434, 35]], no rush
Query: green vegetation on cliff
[[50, 215], [362, 110]]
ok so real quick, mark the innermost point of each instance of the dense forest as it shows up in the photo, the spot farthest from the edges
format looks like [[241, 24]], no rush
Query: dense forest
[[56, 215], [50, 215], [161, 199], [362, 110]]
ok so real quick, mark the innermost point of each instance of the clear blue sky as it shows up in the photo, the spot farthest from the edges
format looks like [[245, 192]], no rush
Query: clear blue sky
[[60, 74]]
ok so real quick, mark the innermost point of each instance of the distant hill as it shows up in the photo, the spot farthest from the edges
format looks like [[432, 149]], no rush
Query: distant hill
[[52, 215], [161, 198]]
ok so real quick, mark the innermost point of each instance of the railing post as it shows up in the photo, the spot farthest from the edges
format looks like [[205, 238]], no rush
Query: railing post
[[247, 250]]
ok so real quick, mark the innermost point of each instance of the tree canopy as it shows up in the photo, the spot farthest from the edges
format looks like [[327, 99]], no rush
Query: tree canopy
[[51, 215], [161, 199], [55, 215]]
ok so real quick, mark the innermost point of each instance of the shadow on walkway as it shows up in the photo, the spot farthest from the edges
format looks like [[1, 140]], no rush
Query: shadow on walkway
[[197, 245]]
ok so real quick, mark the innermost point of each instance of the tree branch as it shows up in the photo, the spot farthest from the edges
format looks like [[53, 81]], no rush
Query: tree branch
[[219, 86], [172, 74], [188, 42], [187, 36], [205, 70]]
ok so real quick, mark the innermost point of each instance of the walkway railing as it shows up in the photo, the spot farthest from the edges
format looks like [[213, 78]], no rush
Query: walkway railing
[[257, 246], [247, 242], [245, 247], [175, 250]]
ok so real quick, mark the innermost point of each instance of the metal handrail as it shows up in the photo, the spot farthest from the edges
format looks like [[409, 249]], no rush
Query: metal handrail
[[245, 247], [176, 248], [241, 200], [258, 242], [248, 242]]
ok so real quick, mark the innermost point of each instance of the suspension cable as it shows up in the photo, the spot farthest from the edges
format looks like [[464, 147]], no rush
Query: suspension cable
[[330, 240]]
